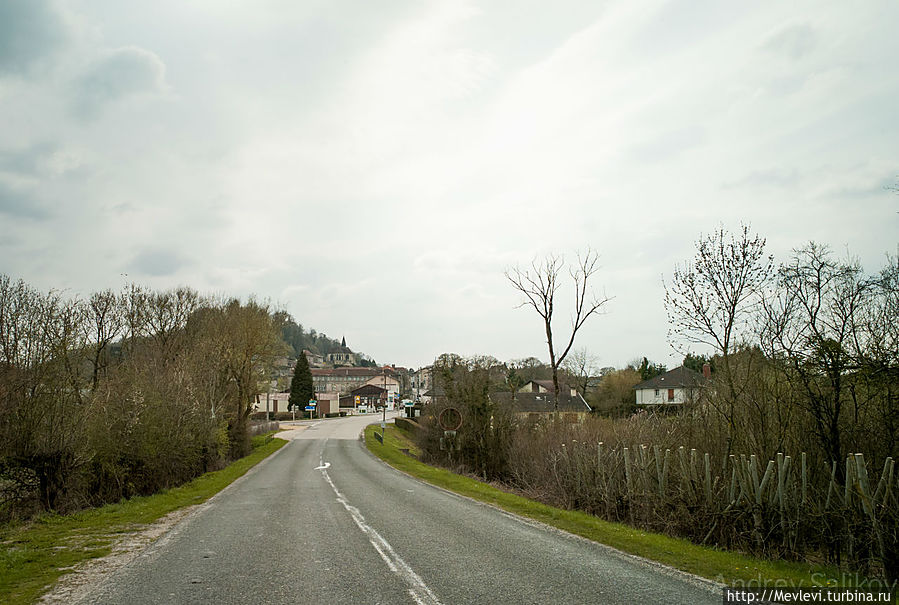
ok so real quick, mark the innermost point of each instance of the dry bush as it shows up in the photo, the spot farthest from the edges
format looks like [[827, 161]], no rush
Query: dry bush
[[122, 395], [659, 473]]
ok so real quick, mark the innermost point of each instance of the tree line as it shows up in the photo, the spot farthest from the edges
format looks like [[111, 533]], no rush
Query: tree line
[[123, 393], [806, 352], [298, 339], [789, 452]]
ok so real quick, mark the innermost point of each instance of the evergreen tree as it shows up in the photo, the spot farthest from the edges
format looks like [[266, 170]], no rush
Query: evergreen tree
[[649, 369], [695, 361], [301, 387]]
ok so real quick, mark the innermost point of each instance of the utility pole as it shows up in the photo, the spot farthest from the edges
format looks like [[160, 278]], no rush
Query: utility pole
[[268, 392]]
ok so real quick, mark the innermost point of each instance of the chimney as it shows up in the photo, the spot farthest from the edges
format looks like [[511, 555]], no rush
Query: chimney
[[706, 371]]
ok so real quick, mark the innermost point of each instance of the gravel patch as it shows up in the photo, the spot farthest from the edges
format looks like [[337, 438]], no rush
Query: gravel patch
[[84, 579]]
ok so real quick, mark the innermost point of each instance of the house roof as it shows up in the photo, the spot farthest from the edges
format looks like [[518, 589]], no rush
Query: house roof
[[678, 377], [541, 402], [548, 385], [368, 389], [372, 372], [341, 350]]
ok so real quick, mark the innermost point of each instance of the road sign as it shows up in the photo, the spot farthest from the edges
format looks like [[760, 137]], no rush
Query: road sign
[[409, 404], [310, 408], [450, 419], [312, 402], [358, 399]]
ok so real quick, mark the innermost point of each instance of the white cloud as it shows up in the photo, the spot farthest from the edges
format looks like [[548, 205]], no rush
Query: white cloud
[[31, 33], [376, 168], [116, 75]]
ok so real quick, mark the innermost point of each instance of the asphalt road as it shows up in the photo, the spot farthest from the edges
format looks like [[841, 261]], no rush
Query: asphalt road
[[323, 521]]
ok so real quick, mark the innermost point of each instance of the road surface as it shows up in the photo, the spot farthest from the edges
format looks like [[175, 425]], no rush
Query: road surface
[[323, 521]]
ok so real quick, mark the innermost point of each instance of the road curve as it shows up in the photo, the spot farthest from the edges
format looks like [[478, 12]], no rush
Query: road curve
[[323, 521]]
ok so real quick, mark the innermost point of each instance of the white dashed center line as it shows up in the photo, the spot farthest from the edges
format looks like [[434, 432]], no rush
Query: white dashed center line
[[418, 590]]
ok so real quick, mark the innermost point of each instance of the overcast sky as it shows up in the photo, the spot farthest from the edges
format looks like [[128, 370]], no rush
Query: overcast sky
[[372, 167]]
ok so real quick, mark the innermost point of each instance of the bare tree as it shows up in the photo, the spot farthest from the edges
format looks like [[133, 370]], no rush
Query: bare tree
[[106, 321], [615, 393], [41, 407], [880, 356], [813, 326], [711, 300], [529, 368], [580, 366], [249, 339], [540, 283], [79, 424], [880, 322]]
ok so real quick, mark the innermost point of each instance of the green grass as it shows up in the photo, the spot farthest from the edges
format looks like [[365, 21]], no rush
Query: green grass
[[34, 555], [732, 569]]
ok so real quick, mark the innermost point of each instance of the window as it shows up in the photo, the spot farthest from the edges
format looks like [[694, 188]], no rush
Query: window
[[670, 394], [657, 392]]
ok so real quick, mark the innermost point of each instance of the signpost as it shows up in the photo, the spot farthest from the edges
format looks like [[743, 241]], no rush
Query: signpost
[[450, 419], [380, 436], [311, 407]]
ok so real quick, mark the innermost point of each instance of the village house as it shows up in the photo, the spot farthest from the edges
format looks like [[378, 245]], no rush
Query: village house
[[271, 402], [421, 382], [344, 380], [536, 399], [344, 357], [673, 388], [314, 359]]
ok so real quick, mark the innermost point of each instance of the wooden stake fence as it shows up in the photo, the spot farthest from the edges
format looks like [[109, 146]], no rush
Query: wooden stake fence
[[773, 500]]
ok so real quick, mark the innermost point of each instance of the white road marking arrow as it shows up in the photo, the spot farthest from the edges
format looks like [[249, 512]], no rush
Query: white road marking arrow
[[323, 466]]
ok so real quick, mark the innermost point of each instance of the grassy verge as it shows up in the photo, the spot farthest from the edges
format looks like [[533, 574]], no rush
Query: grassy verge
[[34, 555], [732, 569]]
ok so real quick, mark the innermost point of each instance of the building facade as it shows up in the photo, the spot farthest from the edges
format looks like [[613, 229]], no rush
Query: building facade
[[673, 388], [345, 380]]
